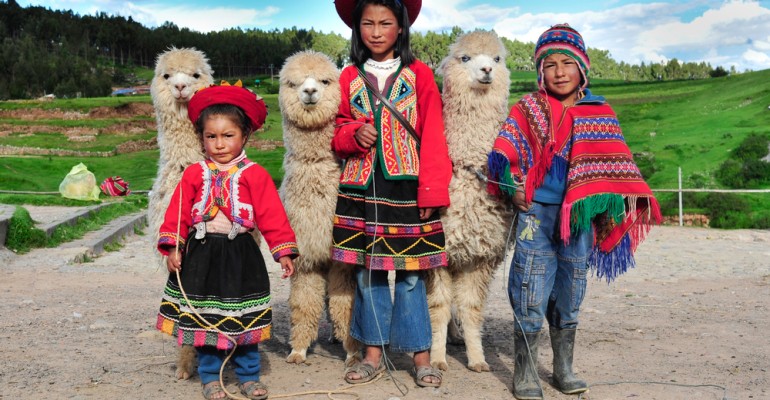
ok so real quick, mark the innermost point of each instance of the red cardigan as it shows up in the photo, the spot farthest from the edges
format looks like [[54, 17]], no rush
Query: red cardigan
[[248, 196], [435, 167]]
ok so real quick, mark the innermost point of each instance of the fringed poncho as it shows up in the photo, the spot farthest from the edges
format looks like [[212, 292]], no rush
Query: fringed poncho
[[604, 185]]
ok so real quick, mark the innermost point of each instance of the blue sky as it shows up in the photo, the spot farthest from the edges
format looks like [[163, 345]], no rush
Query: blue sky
[[721, 32]]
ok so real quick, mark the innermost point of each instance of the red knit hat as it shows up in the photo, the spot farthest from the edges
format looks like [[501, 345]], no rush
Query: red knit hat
[[564, 39], [345, 9], [236, 95]]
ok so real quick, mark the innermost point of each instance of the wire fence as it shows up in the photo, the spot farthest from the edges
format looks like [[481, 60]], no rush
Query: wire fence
[[682, 190]]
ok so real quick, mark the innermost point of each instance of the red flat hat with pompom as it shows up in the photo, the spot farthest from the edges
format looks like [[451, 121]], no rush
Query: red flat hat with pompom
[[251, 104], [345, 9]]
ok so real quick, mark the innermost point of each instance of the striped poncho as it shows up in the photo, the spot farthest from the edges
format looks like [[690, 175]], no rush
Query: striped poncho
[[604, 186]]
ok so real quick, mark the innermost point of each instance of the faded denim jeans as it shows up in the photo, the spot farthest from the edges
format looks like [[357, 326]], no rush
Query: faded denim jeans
[[402, 322], [547, 277]]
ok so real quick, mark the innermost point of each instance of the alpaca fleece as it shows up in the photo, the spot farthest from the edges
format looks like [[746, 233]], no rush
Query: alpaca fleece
[[475, 96], [309, 97], [178, 74]]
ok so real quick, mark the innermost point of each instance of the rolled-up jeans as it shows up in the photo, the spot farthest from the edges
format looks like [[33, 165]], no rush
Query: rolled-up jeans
[[547, 276], [402, 322]]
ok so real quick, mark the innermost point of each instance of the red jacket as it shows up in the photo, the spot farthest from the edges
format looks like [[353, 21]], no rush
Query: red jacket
[[415, 94], [247, 195]]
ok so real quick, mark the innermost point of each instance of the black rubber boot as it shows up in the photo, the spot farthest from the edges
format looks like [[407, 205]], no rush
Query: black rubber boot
[[526, 384], [563, 344]]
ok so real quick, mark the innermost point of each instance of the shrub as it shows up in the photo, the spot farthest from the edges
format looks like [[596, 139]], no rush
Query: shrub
[[22, 234]]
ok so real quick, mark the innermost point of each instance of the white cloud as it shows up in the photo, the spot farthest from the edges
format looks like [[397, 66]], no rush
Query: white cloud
[[756, 60], [655, 32], [439, 15], [200, 19]]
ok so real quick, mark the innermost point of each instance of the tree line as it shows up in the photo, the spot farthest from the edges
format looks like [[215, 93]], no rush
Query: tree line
[[46, 51]]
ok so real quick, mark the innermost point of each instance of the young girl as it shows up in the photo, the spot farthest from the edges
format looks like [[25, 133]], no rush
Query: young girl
[[562, 160], [392, 185], [205, 235]]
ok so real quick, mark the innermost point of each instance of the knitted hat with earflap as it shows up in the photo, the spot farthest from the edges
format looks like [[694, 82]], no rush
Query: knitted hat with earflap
[[563, 39]]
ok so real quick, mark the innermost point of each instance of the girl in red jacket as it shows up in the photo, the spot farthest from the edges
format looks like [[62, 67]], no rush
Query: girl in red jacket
[[392, 185], [205, 236]]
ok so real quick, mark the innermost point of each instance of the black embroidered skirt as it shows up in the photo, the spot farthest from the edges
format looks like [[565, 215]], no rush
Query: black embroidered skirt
[[227, 283], [380, 228]]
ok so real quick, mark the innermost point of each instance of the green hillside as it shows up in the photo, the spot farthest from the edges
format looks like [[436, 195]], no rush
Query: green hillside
[[696, 125]]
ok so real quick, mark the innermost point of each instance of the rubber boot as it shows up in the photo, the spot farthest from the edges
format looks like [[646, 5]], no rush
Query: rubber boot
[[526, 383], [563, 344]]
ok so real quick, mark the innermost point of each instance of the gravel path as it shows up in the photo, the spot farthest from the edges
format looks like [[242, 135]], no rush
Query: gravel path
[[690, 322]]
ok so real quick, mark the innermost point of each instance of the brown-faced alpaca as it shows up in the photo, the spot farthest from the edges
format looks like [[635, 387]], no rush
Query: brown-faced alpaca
[[475, 96], [179, 73], [309, 97]]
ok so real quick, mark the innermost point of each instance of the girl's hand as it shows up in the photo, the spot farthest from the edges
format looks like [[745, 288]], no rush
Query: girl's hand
[[425, 213], [287, 266], [366, 135], [174, 261], [520, 200]]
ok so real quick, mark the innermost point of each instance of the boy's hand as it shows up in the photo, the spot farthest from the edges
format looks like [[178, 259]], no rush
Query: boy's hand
[[520, 200], [287, 266], [174, 261], [425, 213]]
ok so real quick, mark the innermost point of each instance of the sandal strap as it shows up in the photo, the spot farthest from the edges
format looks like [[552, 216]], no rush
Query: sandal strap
[[362, 369], [248, 390], [422, 372], [211, 390]]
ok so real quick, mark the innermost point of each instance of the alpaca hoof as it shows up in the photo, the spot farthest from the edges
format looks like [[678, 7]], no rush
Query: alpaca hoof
[[182, 374], [479, 366], [296, 357], [185, 363], [441, 364]]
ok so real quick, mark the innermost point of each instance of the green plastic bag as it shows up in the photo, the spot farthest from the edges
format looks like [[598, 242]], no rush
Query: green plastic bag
[[79, 184]]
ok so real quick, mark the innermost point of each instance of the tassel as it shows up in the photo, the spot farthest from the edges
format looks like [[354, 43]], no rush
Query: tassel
[[500, 171], [584, 210], [610, 265]]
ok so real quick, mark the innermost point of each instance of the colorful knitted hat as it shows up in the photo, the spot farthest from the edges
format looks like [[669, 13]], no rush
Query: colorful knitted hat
[[563, 39], [345, 9], [251, 104]]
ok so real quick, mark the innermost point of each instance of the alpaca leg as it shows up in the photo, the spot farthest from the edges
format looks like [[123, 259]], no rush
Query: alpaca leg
[[439, 285], [342, 286], [454, 333], [185, 363], [306, 302], [471, 290]]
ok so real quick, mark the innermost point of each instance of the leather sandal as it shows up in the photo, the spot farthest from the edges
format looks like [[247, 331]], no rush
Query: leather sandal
[[248, 388], [366, 371], [212, 388], [425, 371]]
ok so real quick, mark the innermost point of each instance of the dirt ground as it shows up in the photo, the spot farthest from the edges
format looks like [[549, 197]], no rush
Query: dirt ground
[[690, 322]]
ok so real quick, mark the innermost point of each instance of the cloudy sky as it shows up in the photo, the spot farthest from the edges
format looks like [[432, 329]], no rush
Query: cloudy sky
[[721, 32]]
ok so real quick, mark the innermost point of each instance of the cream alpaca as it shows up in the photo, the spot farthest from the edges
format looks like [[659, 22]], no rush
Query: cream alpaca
[[475, 96], [309, 97], [178, 74]]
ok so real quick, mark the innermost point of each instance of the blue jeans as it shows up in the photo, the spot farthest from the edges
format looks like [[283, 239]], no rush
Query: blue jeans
[[547, 277], [403, 322], [246, 360]]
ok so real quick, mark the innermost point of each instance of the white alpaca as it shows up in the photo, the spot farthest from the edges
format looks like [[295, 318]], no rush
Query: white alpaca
[[475, 96], [178, 74], [309, 98]]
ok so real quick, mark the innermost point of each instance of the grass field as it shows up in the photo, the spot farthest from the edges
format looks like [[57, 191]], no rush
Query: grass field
[[691, 124]]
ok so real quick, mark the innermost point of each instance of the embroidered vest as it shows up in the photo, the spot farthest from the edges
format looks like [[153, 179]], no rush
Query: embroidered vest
[[395, 149], [220, 190]]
